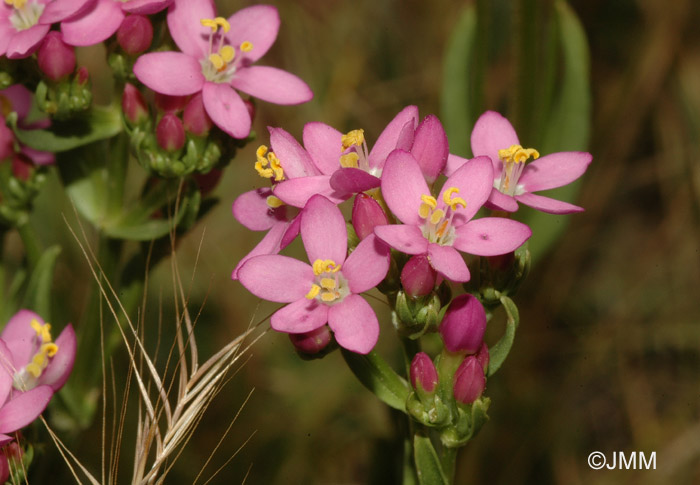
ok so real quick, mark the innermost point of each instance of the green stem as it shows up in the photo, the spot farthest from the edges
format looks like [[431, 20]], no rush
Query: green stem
[[32, 246], [448, 460]]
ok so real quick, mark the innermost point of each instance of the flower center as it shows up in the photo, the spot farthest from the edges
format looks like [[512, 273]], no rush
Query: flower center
[[220, 64], [513, 159], [437, 227], [25, 14], [268, 165], [329, 287], [354, 151], [27, 377]]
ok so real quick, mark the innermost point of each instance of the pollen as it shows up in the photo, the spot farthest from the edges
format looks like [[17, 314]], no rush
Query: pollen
[[453, 202], [518, 154], [321, 266], [328, 283], [313, 292], [246, 46], [354, 137], [268, 165], [273, 202], [349, 160]]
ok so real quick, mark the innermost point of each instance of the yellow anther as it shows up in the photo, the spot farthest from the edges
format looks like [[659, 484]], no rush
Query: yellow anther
[[313, 292], [518, 154], [321, 266], [262, 171], [437, 216], [354, 137], [36, 326], [276, 166], [49, 349], [261, 151], [211, 23], [273, 202], [246, 46], [328, 283], [349, 160], [328, 296], [33, 369], [16, 3], [453, 202], [429, 200], [223, 23], [39, 359], [424, 211], [217, 61], [227, 53]]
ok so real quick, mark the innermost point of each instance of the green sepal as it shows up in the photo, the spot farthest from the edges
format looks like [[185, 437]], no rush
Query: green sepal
[[428, 410], [499, 352], [377, 376], [428, 467], [470, 419]]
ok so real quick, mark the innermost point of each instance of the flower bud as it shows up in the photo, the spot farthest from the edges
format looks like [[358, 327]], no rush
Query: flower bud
[[366, 214], [469, 381], [312, 342], [133, 105], [423, 373], [483, 357], [417, 276], [56, 59], [135, 34], [170, 133], [6, 140], [170, 104], [22, 167], [195, 117], [463, 325]]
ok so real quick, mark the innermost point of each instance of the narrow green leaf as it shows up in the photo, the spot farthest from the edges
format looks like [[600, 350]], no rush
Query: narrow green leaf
[[145, 230], [38, 294], [427, 462], [500, 351], [377, 376]]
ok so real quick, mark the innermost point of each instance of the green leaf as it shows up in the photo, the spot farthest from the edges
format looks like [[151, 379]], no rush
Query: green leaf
[[377, 376], [428, 465], [500, 351], [38, 294], [100, 123]]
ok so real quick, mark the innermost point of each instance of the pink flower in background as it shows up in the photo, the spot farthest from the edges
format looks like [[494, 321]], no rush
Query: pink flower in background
[[17, 98], [441, 227], [24, 23], [217, 56], [327, 290]]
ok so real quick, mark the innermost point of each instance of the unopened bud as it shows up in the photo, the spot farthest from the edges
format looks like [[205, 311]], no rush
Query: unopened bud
[[56, 59], [195, 117], [170, 104], [133, 105], [6, 140], [135, 34], [313, 342], [483, 357], [463, 325], [417, 276], [366, 214], [469, 381], [170, 133], [424, 376]]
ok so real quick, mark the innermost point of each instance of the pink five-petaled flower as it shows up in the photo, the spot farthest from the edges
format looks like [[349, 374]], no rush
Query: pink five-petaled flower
[[440, 226], [24, 23], [104, 18], [17, 98], [514, 181], [217, 55], [328, 289]]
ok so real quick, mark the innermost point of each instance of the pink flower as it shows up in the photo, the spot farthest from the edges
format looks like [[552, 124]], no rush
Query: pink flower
[[103, 19], [514, 181], [24, 23], [17, 98], [441, 226], [217, 54], [328, 289]]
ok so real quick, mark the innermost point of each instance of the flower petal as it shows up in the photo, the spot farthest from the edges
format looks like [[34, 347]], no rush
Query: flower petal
[[323, 143], [145, 7], [295, 161], [20, 99], [367, 265], [185, 28], [403, 185], [19, 335], [354, 324], [7, 371], [258, 25], [38, 157], [59, 10], [430, 148], [406, 238], [96, 25], [172, 73], [323, 231], [296, 192], [492, 132], [500, 201], [251, 210], [447, 261], [23, 409], [271, 243], [272, 85], [276, 278], [25, 42], [546, 204], [491, 236], [226, 109], [474, 180], [389, 139], [554, 170], [57, 372], [301, 316], [453, 163], [353, 180]]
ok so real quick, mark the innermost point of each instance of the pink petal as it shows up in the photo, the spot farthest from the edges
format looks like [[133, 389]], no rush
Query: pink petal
[[301, 316], [145, 7], [20, 99], [7, 31], [324, 145], [296, 192], [453, 163], [292, 231], [226, 109], [96, 25], [555, 170], [367, 265], [323, 231], [500, 201], [59, 10], [295, 161], [354, 324], [492, 132], [185, 28], [38, 157], [353, 180], [474, 180], [406, 238], [447, 261], [251, 210], [545, 204], [20, 335], [430, 147], [272, 85], [389, 139], [271, 243], [57, 372], [7, 371], [25, 42], [172, 73], [276, 278], [403, 185], [23, 409], [258, 25], [491, 236]]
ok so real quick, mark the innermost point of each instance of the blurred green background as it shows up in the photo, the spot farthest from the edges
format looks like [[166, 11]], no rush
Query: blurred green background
[[607, 357]]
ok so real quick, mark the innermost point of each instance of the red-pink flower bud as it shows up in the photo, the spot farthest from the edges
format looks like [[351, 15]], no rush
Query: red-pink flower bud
[[22, 167], [135, 34], [56, 59], [311, 342], [483, 356], [195, 117], [83, 75], [417, 276], [133, 104], [6, 140], [423, 373], [366, 214], [463, 325], [170, 133], [170, 104], [469, 381]]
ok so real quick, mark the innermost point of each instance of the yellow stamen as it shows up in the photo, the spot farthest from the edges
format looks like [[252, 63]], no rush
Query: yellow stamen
[[328, 283], [453, 202], [328, 296], [211, 23], [518, 154], [16, 3], [273, 202], [36, 326], [227, 53], [49, 349], [223, 23], [261, 151], [246, 46], [354, 137], [349, 160], [437, 216], [269, 166], [429, 200], [321, 266], [313, 292], [217, 61], [34, 370], [424, 211]]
